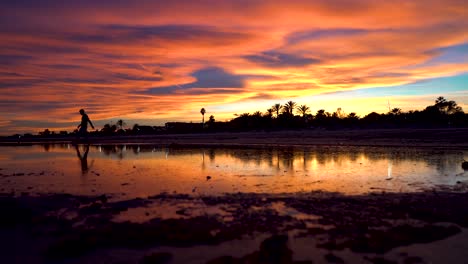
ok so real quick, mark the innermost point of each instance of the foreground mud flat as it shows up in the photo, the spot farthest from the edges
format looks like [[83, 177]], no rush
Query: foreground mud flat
[[317, 227]]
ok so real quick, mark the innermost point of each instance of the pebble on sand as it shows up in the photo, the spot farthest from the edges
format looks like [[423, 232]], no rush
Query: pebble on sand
[[465, 165]]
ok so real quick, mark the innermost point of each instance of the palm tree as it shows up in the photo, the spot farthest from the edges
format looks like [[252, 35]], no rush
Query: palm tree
[[276, 108], [135, 128], [269, 112], [440, 101], [396, 111], [257, 114], [212, 119], [447, 107], [303, 109], [203, 111], [120, 124], [289, 107], [339, 113]]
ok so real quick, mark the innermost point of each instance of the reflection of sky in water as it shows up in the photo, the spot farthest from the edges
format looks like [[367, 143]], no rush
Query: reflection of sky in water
[[131, 170]]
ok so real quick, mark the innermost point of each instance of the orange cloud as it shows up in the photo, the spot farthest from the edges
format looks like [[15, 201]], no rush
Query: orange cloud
[[140, 60]]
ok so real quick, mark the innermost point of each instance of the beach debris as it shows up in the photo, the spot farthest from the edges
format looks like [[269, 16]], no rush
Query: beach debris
[[183, 212], [331, 258], [103, 198], [272, 250], [465, 165], [159, 257]]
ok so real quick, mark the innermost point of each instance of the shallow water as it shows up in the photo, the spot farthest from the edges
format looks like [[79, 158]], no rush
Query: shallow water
[[127, 171]]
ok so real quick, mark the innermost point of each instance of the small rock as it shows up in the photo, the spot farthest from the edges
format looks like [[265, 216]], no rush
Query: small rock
[[182, 212], [102, 198], [413, 260], [157, 258], [208, 178], [331, 258], [465, 165]]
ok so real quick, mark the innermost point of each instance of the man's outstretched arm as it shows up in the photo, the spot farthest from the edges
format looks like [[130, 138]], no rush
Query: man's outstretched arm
[[89, 120]]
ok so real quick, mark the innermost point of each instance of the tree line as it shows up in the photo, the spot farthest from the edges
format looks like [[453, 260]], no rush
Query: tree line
[[442, 114], [289, 116]]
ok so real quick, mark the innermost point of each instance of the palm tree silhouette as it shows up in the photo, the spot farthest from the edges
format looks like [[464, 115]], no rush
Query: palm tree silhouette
[[211, 119], [276, 108], [303, 109], [120, 124], [396, 111], [289, 107], [257, 114], [203, 111], [270, 112], [447, 107]]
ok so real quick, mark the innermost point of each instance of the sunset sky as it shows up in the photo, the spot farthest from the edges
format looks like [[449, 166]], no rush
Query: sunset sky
[[150, 62]]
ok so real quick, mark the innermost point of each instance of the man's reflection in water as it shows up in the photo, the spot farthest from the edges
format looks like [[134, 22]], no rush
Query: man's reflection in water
[[83, 159]]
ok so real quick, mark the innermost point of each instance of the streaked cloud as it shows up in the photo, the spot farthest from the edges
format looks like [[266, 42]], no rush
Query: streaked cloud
[[280, 60], [164, 60]]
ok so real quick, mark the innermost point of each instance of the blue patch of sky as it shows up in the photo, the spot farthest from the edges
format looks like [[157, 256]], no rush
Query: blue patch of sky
[[453, 54], [440, 86], [447, 55]]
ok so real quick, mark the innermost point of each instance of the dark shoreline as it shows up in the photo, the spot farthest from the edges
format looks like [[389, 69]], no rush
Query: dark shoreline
[[455, 138]]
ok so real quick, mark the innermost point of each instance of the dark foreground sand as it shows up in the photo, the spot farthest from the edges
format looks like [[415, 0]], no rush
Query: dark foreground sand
[[428, 227]]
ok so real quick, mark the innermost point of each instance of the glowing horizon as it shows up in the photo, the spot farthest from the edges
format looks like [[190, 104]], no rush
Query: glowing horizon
[[153, 62]]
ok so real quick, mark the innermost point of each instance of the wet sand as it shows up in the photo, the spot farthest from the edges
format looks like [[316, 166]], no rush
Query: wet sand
[[314, 227]]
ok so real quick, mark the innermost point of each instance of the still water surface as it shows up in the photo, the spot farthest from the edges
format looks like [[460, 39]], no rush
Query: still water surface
[[128, 171]]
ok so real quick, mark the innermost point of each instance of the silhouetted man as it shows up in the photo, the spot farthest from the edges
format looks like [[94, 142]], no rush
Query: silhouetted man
[[83, 126]]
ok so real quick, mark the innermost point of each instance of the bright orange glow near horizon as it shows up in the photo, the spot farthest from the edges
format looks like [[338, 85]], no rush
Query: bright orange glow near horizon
[[151, 62]]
